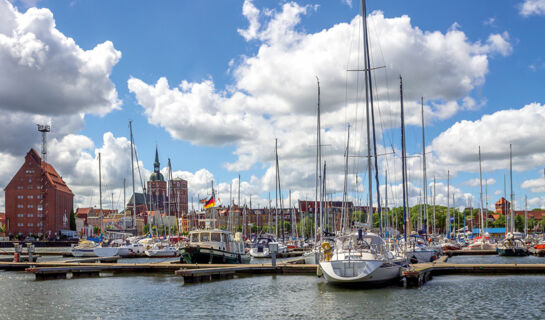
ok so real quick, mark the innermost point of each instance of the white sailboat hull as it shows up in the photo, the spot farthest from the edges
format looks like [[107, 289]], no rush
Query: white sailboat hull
[[105, 251], [368, 272], [83, 252]]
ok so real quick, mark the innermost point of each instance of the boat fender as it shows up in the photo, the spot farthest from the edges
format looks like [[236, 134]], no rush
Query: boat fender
[[327, 250]]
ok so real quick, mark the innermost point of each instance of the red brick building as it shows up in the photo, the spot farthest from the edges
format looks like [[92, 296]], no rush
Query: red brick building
[[38, 201], [173, 201], [503, 206]]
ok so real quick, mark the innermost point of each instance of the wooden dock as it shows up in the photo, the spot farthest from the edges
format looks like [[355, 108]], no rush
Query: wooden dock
[[462, 252], [201, 275], [418, 274]]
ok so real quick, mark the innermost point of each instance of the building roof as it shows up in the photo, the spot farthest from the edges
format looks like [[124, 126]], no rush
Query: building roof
[[83, 212], [139, 199]]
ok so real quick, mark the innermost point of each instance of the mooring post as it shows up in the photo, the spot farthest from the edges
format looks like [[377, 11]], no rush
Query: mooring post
[[30, 249], [273, 249]]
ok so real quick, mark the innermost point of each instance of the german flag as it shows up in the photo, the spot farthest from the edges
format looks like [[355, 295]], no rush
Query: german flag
[[210, 203]]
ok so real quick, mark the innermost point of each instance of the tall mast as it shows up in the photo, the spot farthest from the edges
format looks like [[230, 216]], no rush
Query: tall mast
[[132, 174], [481, 184], [447, 224], [344, 220], [525, 215], [424, 177], [511, 182], [386, 208], [367, 117], [318, 169], [486, 203], [403, 161], [505, 204], [124, 205], [100, 195], [433, 204], [370, 107], [239, 190]]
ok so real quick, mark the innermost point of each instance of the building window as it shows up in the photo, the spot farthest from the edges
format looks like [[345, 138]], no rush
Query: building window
[[20, 206], [39, 224], [20, 224], [40, 207], [30, 206], [29, 180], [39, 215], [30, 225], [39, 196], [30, 197], [19, 187], [30, 215], [29, 187], [20, 215], [20, 197]]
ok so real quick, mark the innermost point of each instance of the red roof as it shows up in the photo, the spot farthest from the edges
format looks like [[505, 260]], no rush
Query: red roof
[[54, 178], [83, 212]]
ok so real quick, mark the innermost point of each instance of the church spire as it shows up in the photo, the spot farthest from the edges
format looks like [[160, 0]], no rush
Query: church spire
[[156, 164]]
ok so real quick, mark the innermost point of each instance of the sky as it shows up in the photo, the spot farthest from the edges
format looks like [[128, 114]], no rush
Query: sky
[[212, 84]]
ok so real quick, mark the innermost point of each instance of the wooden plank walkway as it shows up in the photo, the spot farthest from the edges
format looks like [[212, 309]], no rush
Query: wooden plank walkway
[[200, 275], [462, 252]]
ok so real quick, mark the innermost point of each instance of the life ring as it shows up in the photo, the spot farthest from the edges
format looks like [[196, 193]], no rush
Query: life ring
[[327, 250]]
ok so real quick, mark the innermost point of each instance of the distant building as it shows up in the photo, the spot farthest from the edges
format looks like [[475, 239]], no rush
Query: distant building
[[155, 197], [38, 201], [503, 206]]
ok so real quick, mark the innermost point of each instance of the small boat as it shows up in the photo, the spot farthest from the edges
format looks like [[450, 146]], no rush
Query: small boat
[[512, 247], [162, 249], [105, 251], [417, 251], [85, 248], [482, 243], [361, 259], [214, 246], [260, 247]]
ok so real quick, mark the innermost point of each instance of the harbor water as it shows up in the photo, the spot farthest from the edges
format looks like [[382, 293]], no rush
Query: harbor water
[[141, 296]]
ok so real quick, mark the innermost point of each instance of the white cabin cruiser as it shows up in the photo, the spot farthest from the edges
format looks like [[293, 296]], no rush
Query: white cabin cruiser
[[260, 247]]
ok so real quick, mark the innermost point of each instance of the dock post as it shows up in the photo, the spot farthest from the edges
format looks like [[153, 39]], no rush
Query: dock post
[[273, 249], [30, 249]]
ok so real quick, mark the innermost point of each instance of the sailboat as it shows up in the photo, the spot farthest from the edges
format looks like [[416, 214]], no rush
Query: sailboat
[[360, 257], [483, 241], [512, 245]]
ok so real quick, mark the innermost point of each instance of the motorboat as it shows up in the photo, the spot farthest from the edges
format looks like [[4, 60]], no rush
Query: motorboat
[[105, 251], [418, 251], [260, 246], [214, 246], [85, 248], [360, 258], [162, 249]]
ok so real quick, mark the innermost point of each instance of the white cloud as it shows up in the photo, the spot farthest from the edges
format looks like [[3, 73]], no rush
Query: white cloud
[[274, 91], [45, 72], [252, 14], [457, 146], [535, 185], [500, 43], [476, 182], [532, 7]]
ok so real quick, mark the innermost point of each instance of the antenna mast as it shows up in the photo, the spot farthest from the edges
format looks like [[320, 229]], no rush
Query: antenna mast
[[44, 129]]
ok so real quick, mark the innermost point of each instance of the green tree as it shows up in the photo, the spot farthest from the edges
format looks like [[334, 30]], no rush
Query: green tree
[[147, 228], [72, 220], [308, 227], [96, 230]]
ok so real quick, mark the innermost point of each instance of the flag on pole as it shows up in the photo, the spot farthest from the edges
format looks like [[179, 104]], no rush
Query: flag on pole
[[210, 203]]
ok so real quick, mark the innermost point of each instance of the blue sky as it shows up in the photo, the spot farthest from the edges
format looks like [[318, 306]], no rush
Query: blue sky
[[199, 41]]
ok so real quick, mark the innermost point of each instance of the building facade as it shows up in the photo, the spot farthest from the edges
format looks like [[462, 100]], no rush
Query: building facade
[[38, 201]]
